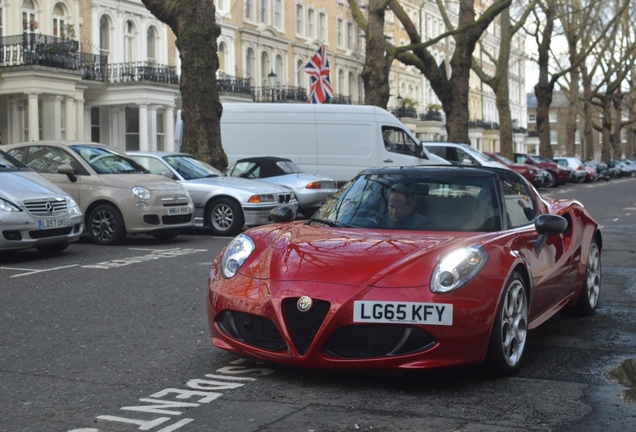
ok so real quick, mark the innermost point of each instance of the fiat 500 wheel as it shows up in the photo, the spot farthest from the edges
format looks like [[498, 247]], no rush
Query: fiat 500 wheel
[[591, 289], [106, 225], [509, 332], [225, 217]]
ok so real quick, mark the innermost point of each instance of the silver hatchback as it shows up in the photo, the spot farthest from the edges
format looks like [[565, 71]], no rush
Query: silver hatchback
[[34, 213]]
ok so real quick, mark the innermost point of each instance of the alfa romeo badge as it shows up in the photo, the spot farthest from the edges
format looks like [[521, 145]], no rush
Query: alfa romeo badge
[[304, 303]]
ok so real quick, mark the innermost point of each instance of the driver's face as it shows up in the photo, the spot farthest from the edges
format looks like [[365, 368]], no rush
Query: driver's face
[[398, 206]]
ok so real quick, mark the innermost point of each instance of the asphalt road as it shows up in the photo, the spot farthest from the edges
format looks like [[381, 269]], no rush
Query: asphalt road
[[116, 339]]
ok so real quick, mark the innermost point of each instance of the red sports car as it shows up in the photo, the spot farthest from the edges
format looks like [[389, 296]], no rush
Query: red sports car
[[403, 268]]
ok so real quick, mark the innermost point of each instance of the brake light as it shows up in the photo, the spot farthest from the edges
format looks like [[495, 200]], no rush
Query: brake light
[[314, 185]]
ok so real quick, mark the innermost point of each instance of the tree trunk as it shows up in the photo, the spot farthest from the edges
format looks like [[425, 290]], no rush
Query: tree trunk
[[502, 87], [544, 88], [193, 23], [375, 73], [606, 130]]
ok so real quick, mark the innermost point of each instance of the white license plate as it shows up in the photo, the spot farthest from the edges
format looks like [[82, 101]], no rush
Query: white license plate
[[403, 312], [51, 223], [178, 210]]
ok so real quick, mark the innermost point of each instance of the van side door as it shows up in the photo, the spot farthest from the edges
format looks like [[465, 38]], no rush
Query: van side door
[[399, 148]]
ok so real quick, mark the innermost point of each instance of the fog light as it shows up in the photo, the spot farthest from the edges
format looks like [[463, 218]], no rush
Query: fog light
[[142, 206]]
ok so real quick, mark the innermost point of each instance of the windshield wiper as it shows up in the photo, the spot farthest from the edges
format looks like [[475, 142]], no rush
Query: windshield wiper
[[329, 222]]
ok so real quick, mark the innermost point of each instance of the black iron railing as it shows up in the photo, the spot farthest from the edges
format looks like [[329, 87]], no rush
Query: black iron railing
[[141, 71], [432, 116], [38, 49], [233, 84], [404, 112]]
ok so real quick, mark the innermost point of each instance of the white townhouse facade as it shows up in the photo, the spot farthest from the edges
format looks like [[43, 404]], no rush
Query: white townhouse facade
[[108, 70], [100, 70]]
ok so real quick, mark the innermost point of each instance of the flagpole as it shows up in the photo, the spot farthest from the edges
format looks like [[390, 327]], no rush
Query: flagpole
[[302, 66]]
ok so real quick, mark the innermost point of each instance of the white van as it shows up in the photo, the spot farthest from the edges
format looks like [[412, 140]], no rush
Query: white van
[[336, 141]]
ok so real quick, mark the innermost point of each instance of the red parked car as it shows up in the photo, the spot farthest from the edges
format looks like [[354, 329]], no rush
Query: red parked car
[[407, 268], [558, 175], [533, 174]]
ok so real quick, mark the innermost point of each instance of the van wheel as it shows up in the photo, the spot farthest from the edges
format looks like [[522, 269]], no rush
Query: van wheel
[[225, 217], [106, 225]]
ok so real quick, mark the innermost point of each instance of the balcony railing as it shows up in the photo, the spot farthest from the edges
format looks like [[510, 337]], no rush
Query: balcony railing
[[142, 71], [39, 49], [233, 84]]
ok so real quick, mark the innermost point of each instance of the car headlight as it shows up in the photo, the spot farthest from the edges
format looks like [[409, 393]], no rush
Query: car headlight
[[533, 171], [266, 198], [141, 192], [7, 206], [457, 268], [235, 255], [73, 208]]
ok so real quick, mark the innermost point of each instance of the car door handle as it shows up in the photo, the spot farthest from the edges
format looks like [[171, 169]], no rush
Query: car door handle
[[387, 161]]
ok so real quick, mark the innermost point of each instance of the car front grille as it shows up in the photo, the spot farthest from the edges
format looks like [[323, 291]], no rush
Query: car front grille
[[303, 326], [55, 232], [251, 329], [284, 198], [176, 219], [47, 207], [377, 340]]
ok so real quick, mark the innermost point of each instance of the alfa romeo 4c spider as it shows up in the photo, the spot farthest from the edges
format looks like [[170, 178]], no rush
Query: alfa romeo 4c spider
[[406, 268]]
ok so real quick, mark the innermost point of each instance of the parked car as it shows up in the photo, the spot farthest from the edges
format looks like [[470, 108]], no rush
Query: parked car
[[579, 175], [116, 195], [626, 169], [534, 175], [224, 204], [603, 172], [456, 153], [487, 260], [558, 175], [34, 213], [311, 190], [631, 166]]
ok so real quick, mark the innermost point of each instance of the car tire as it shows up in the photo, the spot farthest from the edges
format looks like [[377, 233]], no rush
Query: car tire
[[632, 174], [551, 180], [106, 225], [225, 217], [591, 288], [52, 249], [510, 330]]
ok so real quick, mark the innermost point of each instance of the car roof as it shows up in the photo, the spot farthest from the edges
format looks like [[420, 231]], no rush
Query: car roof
[[157, 153], [58, 142], [460, 170]]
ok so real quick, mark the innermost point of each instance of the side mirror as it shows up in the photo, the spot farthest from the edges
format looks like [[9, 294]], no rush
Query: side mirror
[[282, 214], [68, 170], [548, 225], [167, 174]]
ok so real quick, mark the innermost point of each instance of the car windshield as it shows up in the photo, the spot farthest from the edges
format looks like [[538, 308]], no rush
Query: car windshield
[[191, 168], [505, 159], [7, 161], [407, 202], [106, 161]]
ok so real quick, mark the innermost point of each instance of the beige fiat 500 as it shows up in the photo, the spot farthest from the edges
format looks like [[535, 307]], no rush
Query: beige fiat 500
[[116, 195]]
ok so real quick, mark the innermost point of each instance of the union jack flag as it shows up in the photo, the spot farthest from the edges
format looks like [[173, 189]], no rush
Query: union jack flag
[[318, 70]]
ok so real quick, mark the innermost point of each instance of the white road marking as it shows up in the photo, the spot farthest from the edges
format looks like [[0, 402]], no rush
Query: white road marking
[[31, 271]]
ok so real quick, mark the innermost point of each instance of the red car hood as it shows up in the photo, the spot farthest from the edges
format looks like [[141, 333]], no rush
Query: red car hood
[[296, 252]]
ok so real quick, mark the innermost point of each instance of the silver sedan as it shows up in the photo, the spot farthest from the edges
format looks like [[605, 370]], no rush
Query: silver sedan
[[224, 204], [311, 190]]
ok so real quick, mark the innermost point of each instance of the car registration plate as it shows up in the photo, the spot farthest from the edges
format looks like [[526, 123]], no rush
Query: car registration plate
[[51, 223], [178, 210], [403, 312]]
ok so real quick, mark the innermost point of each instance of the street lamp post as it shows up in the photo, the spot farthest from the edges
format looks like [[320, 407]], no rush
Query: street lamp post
[[272, 79]]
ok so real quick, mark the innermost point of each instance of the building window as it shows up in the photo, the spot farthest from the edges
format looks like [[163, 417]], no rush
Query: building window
[[265, 68], [132, 129], [152, 50], [161, 135], [262, 9], [29, 21], [278, 20], [299, 19], [554, 139], [311, 23], [339, 32], [532, 118], [553, 117], [249, 63], [299, 73], [350, 35], [249, 10], [58, 21], [278, 69], [577, 137], [129, 35], [221, 5], [95, 124], [104, 36], [221, 55], [322, 22]]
